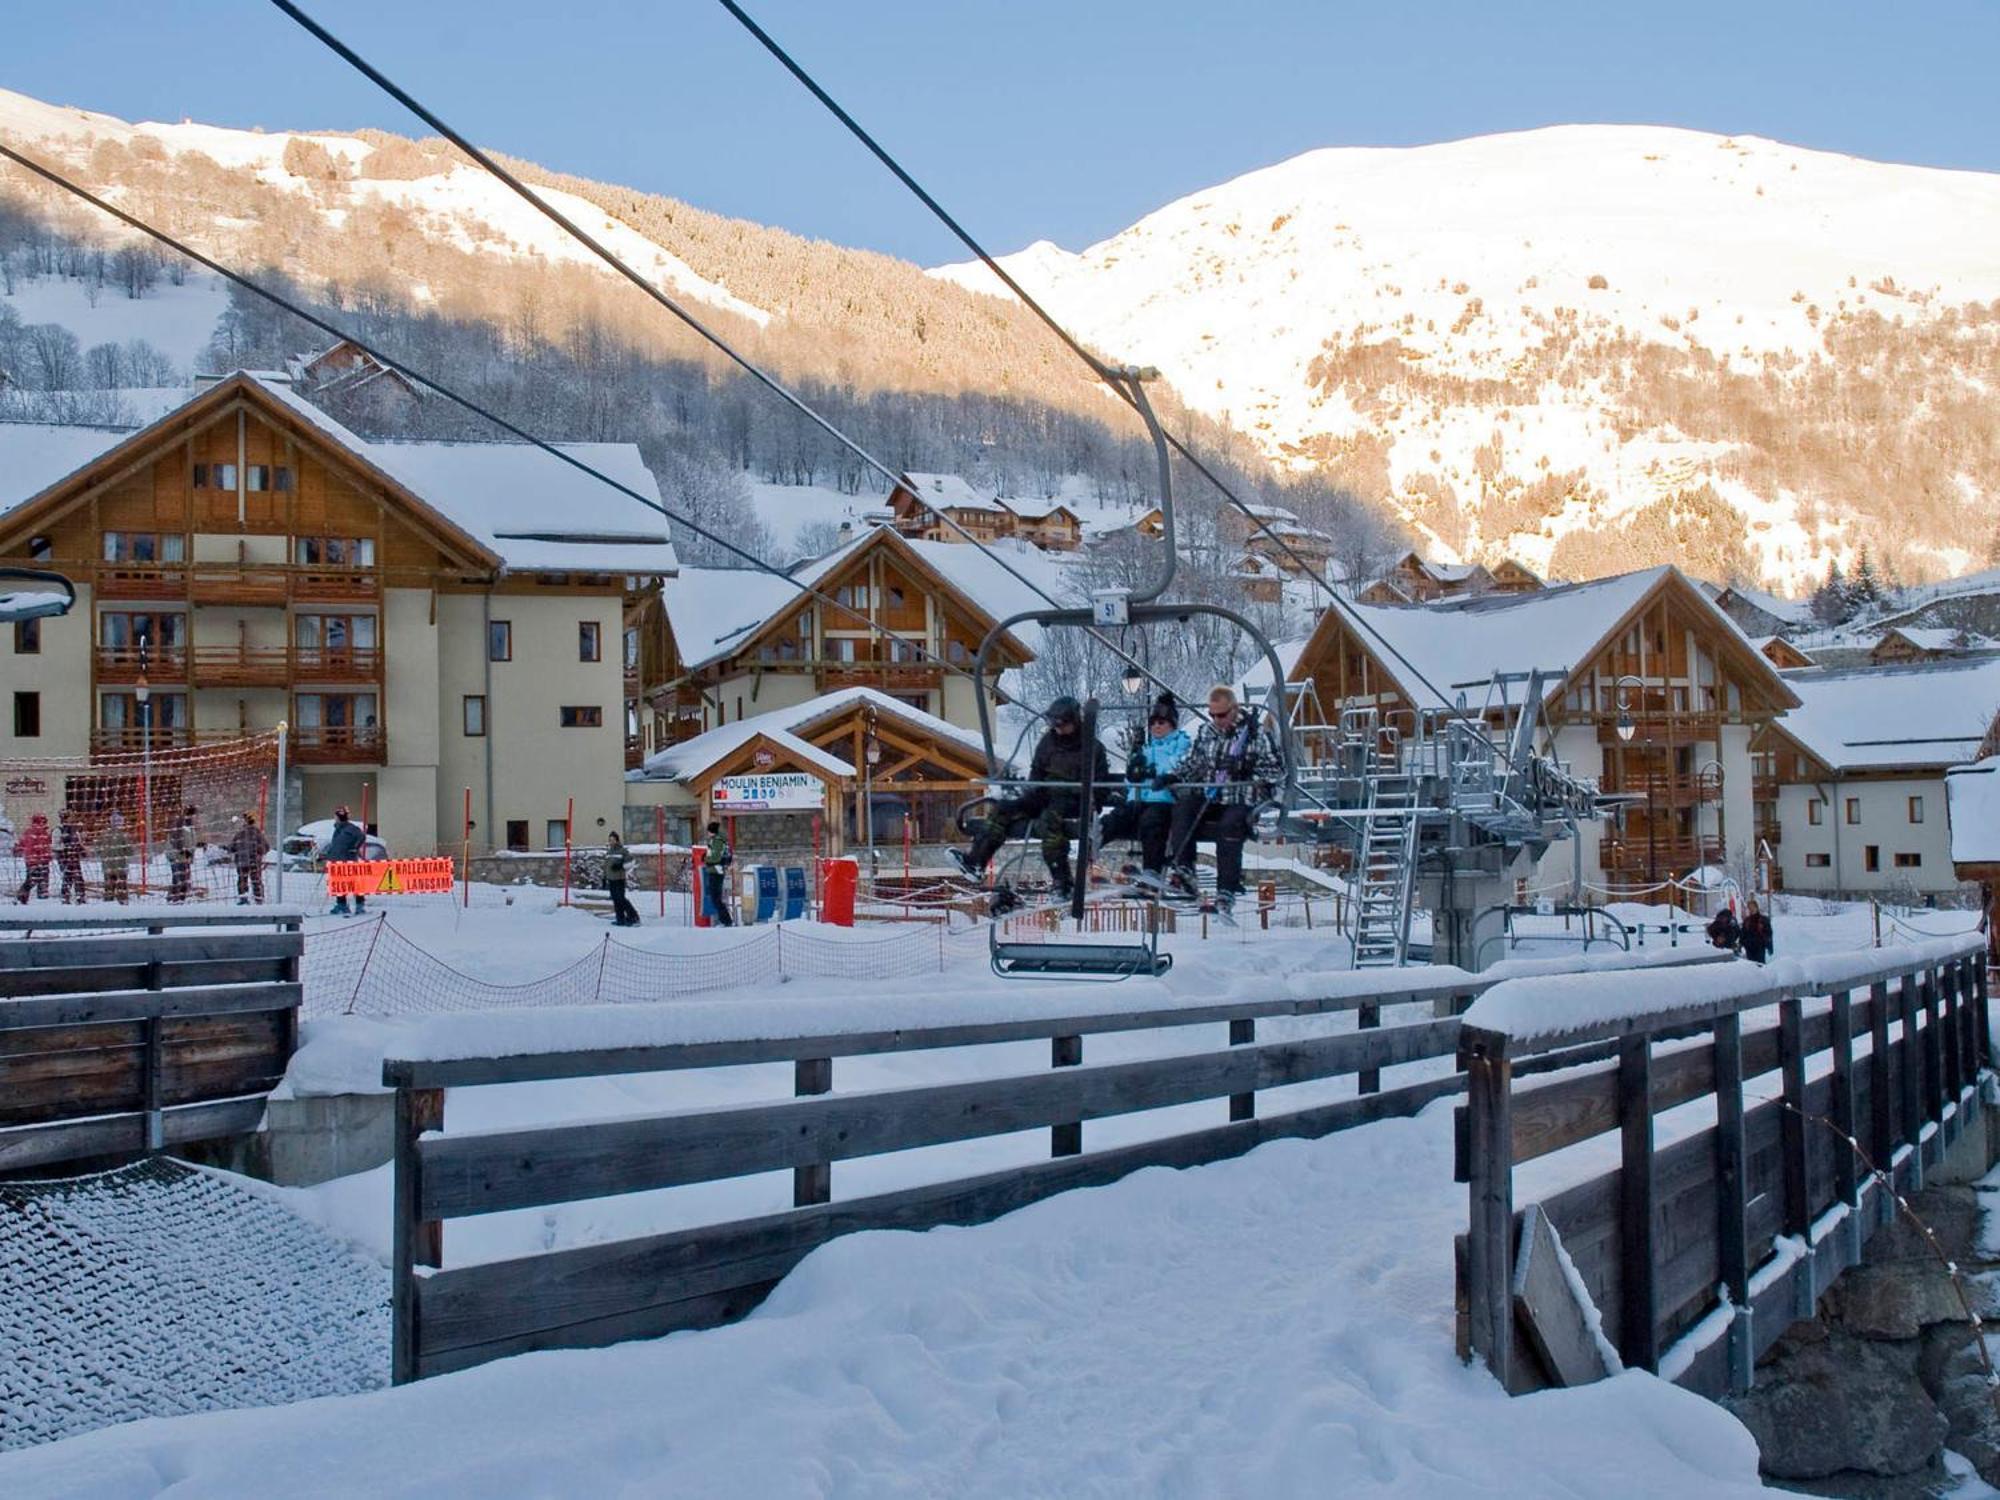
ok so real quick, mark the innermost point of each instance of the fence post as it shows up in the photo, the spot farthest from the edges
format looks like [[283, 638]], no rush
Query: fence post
[[1948, 1013], [1909, 1066], [1242, 1033], [1490, 1240], [603, 958], [1066, 1140], [660, 855], [569, 834], [1881, 1085], [1846, 1175], [813, 1182], [1639, 1302], [1933, 1050], [366, 959], [1982, 978], [156, 1133], [416, 1242], [1367, 1017], [1792, 1150], [1732, 1175]]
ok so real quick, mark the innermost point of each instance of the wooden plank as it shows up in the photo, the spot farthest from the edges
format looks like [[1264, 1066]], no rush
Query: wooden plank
[[83, 953], [1366, 1018], [812, 1182], [136, 1005], [1066, 1139], [505, 1307], [1490, 1239], [283, 917], [1881, 1086], [30, 1147], [78, 981], [1909, 1063], [484, 1173], [413, 1242], [1557, 1326], [1639, 1318], [1243, 1033], [1731, 1187], [1933, 1049], [1792, 1129]]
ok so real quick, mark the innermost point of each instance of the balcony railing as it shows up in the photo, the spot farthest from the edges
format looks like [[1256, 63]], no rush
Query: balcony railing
[[141, 581], [1658, 858], [235, 583], [241, 666], [635, 752], [336, 663], [239, 585], [905, 675], [339, 744], [123, 664], [1665, 791], [320, 583], [129, 741]]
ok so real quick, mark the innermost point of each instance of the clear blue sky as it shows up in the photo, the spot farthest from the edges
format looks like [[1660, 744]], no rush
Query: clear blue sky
[[1064, 119]]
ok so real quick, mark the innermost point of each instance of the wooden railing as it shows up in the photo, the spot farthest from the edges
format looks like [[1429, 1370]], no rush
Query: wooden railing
[[112, 1045], [242, 666], [1699, 1253], [119, 664], [130, 741], [454, 1318], [248, 583], [235, 583], [339, 744]]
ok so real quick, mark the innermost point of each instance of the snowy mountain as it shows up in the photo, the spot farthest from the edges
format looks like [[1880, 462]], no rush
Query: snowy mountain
[[1588, 345]]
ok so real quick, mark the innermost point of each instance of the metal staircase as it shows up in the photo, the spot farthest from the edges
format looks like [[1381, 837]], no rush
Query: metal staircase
[[1387, 872]]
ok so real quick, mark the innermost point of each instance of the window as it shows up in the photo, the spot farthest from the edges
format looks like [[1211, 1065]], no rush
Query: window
[[558, 833], [261, 477], [1815, 811], [40, 549], [216, 476], [582, 716], [1853, 813], [1906, 861], [499, 640], [1818, 861], [517, 834], [475, 714], [631, 650], [1871, 858], [144, 547], [127, 630], [1916, 810], [27, 637], [336, 551], [27, 715], [589, 641]]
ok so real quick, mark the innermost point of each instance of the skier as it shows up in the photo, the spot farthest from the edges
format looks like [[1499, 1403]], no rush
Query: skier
[[1056, 775], [716, 859], [181, 844], [1148, 811], [33, 847], [114, 857], [1231, 767], [342, 845], [1759, 942], [1723, 931], [247, 848], [623, 913], [69, 858]]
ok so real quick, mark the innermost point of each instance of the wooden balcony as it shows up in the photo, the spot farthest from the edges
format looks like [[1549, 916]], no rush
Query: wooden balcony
[[121, 664], [320, 584], [120, 581], [249, 585], [339, 744], [241, 666], [890, 676], [1636, 858], [635, 752], [1665, 791], [336, 664], [121, 742]]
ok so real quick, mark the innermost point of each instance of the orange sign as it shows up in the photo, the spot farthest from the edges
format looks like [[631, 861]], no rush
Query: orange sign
[[390, 877]]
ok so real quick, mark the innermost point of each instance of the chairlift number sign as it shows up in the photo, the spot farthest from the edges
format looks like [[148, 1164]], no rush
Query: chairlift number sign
[[772, 791]]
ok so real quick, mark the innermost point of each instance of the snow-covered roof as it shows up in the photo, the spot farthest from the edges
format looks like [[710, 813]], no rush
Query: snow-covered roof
[[1257, 676], [712, 610], [527, 506], [951, 492], [783, 726], [1919, 717], [1791, 611], [1928, 638], [1973, 795], [1454, 646]]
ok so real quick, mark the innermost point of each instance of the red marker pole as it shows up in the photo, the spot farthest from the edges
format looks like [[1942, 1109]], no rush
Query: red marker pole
[[569, 824], [660, 855], [465, 849]]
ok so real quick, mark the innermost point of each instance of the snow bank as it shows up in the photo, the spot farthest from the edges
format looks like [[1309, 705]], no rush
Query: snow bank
[[1557, 1005], [1262, 1327]]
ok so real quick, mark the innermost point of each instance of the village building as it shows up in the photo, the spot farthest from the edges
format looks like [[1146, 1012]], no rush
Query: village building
[[1781, 653], [1646, 687], [1854, 777], [946, 508], [1261, 580], [851, 769], [1972, 795], [720, 646], [1916, 643], [1759, 612], [428, 618], [354, 379], [1415, 579]]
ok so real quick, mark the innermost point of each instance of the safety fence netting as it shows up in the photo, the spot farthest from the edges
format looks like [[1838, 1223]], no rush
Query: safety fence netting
[[372, 969]]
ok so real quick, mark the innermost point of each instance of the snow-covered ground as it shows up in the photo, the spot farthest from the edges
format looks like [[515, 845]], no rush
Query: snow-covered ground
[[176, 320]]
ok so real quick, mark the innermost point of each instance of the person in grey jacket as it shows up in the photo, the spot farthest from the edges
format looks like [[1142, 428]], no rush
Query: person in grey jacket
[[343, 844], [616, 858], [247, 848]]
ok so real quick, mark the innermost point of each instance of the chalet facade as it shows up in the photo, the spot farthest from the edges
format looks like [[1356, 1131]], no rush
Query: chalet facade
[[1650, 690], [1902, 644], [428, 618], [945, 508], [1415, 579], [1853, 782], [1782, 654], [721, 646]]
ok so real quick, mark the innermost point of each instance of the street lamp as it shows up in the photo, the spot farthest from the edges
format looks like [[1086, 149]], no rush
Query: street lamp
[[1625, 726], [871, 757], [1133, 680], [1721, 808]]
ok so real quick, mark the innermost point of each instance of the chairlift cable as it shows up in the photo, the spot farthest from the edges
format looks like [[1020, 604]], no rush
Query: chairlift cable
[[770, 382], [881, 154], [236, 278]]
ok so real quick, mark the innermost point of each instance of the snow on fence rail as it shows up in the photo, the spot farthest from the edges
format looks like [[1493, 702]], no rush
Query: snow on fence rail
[[1693, 1254], [448, 1319]]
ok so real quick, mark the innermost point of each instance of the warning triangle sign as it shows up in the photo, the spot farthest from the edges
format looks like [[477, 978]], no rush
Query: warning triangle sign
[[388, 885]]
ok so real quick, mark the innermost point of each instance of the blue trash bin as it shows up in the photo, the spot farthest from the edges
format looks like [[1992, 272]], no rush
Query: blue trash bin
[[796, 892], [767, 892]]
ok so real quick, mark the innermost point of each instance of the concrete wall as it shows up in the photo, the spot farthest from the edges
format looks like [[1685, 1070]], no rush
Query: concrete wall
[[59, 672], [745, 697], [1883, 808]]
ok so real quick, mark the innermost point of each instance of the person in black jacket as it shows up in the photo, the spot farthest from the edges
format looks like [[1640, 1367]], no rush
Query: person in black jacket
[[346, 843], [1723, 931], [1061, 758], [623, 912], [1759, 942]]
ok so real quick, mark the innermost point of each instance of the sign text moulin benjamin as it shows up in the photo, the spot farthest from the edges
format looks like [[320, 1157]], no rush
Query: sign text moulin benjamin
[[773, 791]]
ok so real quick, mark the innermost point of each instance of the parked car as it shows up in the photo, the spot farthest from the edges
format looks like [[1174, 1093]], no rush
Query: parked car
[[305, 848]]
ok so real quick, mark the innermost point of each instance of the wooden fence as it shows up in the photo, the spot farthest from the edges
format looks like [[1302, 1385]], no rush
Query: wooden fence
[[131, 1043], [453, 1318], [1697, 1254]]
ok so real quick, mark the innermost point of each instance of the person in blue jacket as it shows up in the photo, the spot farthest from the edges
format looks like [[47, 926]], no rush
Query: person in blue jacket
[[1150, 768]]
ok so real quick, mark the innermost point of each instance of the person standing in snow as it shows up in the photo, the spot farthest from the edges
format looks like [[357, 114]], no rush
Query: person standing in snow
[[1759, 942], [114, 857], [181, 844], [716, 859], [1722, 930], [69, 858], [623, 913], [247, 848], [1231, 766], [343, 845], [33, 847]]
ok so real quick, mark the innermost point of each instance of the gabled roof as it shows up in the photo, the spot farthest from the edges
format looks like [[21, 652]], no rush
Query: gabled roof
[[951, 492], [503, 505], [1436, 652], [1920, 717], [1928, 638], [787, 727], [1791, 611]]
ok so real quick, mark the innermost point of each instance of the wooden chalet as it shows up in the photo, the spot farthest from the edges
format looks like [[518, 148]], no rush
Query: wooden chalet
[[1647, 651], [946, 508], [1415, 579], [1782, 654]]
